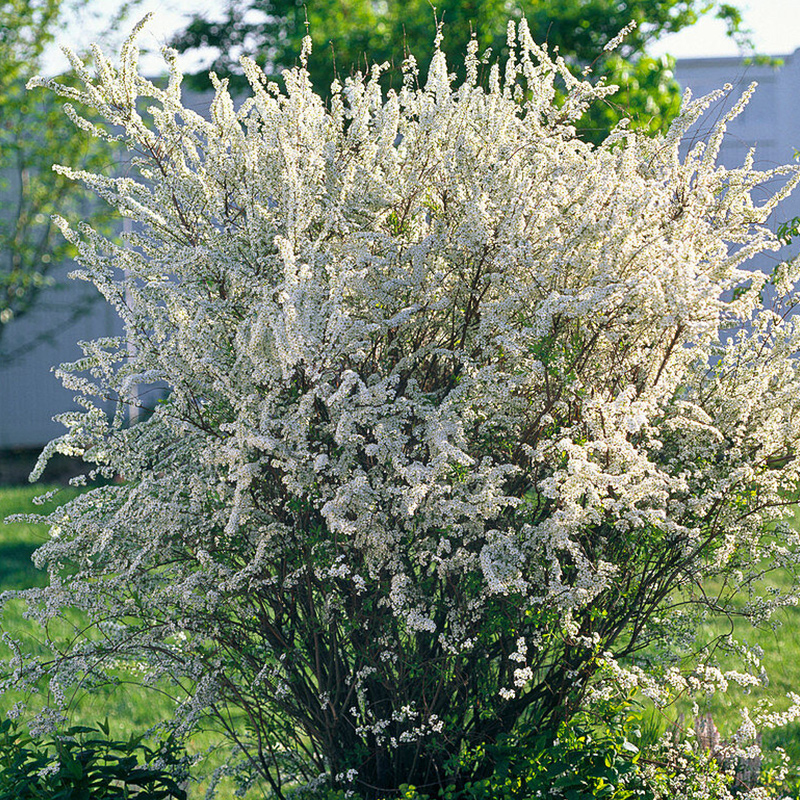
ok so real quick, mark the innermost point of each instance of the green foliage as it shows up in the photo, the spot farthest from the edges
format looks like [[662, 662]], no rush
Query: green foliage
[[34, 134], [788, 229], [647, 95], [608, 757], [85, 763], [347, 34], [580, 761]]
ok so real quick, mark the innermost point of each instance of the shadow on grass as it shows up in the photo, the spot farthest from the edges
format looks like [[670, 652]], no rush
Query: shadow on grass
[[16, 568], [787, 737]]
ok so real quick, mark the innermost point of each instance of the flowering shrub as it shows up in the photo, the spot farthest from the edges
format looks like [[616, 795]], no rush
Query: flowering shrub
[[442, 458]]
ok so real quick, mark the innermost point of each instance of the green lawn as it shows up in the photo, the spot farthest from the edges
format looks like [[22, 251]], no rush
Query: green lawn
[[135, 710], [129, 708], [780, 642], [18, 540]]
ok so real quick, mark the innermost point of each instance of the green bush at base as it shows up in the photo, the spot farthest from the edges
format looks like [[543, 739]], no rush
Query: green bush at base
[[85, 764]]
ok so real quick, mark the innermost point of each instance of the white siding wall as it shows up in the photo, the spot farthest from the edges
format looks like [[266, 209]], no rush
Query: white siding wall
[[770, 122], [30, 395]]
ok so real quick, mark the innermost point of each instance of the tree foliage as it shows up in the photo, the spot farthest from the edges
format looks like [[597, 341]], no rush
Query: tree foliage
[[33, 135], [348, 35], [443, 463]]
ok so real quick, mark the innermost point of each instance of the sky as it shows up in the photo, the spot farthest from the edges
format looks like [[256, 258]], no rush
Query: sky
[[775, 25]]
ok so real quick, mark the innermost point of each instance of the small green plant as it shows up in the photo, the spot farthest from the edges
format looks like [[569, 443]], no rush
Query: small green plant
[[582, 758], [620, 753], [84, 763]]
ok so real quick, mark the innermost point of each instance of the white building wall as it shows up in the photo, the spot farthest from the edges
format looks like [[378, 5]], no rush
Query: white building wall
[[770, 122], [30, 395]]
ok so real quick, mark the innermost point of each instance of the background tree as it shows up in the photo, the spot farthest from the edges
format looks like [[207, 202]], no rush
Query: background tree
[[35, 134], [350, 33]]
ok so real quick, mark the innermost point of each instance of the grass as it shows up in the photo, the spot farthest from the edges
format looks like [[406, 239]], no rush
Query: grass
[[130, 709], [18, 540], [134, 710], [779, 639]]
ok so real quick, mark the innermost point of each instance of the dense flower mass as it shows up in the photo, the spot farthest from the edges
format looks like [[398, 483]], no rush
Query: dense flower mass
[[461, 412]]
